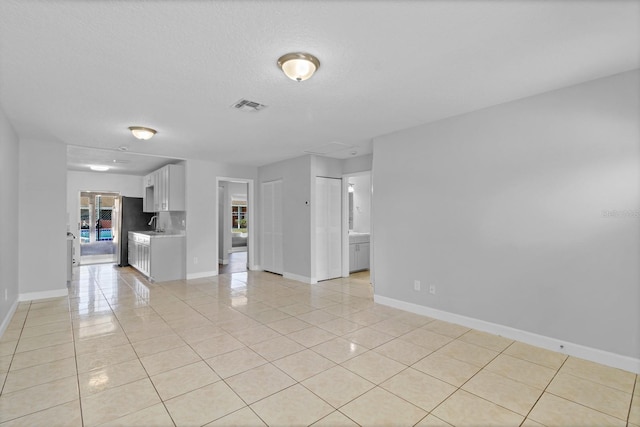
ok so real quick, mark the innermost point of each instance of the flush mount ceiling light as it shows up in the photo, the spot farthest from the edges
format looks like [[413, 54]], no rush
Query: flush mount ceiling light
[[99, 168], [141, 132], [298, 66]]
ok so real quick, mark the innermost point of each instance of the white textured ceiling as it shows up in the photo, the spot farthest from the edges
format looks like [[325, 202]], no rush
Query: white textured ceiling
[[81, 72]]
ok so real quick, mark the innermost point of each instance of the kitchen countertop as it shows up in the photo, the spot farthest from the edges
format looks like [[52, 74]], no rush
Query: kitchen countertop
[[161, 234]]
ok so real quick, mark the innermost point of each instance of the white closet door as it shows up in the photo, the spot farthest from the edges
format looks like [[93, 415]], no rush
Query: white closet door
[[278, 251], [272, 227], [328, 228]]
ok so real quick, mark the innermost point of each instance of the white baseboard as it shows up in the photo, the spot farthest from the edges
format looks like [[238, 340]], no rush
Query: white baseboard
[[223, 261], [7, 319], [202, 274], [299, 278], [31, 296], [593, 354]]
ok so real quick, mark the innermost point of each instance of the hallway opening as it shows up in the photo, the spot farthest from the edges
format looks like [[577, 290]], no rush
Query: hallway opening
[[98, 219]]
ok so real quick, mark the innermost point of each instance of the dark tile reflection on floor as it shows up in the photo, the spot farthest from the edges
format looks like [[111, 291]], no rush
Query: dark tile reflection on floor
[[237, 263]]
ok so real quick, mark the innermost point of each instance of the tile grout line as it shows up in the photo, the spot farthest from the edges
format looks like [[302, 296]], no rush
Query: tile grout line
[[4, 382], [134, 350], [633, 397], [582, 404], [75, 358], [334, 409], [458, 388], [28, 310], [545, 389], [271, 362], [14, 353], [357, 374], [99, 287], [180, 295], [204, 361], [594, 382]]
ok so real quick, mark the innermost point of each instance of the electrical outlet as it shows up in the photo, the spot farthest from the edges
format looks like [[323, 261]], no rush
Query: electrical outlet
[[432, 289], [6, 294], [195, 259], [416, 285]]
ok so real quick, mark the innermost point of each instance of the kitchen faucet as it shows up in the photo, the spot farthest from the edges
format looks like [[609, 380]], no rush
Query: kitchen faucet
[[151, 220]]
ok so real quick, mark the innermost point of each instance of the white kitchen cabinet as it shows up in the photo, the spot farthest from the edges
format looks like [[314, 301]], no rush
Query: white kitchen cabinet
[[170, 194], [139, 252], [149, 180], [158, 190], [147, 192], [159, 257], [166, 190], [359, 254]]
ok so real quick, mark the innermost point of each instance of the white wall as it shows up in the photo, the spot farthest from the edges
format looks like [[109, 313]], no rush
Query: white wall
[[298, 177], [42, 224], [357, 164], [509, 202], [296, 212], [201, 212], [126, 185], [9, 205]]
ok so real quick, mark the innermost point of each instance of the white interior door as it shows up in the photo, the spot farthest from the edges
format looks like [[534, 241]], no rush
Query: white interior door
[[272, 251], [328, 228]]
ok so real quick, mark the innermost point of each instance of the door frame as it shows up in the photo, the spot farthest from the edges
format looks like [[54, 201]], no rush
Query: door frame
[[345, 223], [78, 258], [251, 220], [315, 275]]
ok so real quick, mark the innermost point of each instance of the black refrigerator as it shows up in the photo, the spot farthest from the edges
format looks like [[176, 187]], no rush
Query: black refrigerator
[[130, 218]]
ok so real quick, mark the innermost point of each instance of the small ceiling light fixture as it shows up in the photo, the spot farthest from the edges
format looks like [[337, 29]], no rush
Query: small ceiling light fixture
[[141, 132], [99, 168], [298, 66]]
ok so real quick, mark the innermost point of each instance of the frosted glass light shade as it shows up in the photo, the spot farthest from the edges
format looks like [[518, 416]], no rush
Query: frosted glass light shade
[[141, 132], [298, 66]]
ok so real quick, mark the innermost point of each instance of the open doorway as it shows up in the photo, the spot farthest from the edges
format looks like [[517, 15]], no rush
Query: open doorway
[[357, 225], [98, 220], [233, 226]]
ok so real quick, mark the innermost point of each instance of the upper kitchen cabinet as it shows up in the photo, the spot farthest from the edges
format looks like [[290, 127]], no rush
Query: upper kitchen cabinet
[[149, 180], [164, 189]]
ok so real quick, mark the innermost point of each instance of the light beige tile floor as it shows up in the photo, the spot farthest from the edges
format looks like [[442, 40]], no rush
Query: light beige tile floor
[[254, 349]]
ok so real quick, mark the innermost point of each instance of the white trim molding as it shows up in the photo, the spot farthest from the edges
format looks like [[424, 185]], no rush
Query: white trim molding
[[299, 278], [7, 319], [32, 296], [571, 349], [202, 274]]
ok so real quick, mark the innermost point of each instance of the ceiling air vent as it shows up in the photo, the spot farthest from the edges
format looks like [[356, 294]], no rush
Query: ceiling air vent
[[248, 106]]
